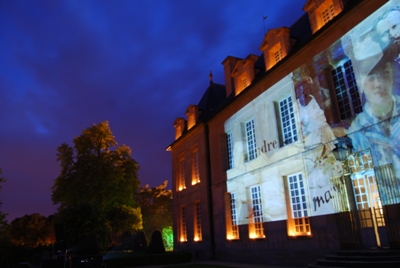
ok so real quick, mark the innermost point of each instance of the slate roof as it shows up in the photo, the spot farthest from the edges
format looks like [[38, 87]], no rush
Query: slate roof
[[301, 30], [211, 101]]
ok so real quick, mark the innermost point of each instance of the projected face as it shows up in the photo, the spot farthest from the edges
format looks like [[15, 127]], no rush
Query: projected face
[[378, 85], [388, 28], [306, 84]]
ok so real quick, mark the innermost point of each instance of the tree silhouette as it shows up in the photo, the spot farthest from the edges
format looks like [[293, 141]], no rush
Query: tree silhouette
[[96, 187], [32, 231], [156, 243]]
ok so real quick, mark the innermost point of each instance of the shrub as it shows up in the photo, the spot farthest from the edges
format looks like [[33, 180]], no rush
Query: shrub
[[156, 243]]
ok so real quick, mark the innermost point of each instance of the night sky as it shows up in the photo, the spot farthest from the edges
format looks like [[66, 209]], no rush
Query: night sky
[[65, 65]]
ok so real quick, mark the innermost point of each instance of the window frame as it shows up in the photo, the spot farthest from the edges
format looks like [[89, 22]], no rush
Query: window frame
[[182, 174], [256, 229], [198, 235], [327, 14], [345, 92], [234, 217], [278, 55], [183, 224], [251, 142], [195, 167], [298, 210], [288, 125], [229, 145]]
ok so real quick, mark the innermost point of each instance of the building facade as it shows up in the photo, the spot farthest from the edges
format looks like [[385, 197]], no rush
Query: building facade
[[297, 155]]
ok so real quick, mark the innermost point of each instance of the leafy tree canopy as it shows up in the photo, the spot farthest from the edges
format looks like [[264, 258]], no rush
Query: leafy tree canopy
[[98, 182], [32, 231], [156, 206], [93, 173]]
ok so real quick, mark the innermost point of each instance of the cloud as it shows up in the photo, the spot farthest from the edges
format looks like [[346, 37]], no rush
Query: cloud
[[138, 64]]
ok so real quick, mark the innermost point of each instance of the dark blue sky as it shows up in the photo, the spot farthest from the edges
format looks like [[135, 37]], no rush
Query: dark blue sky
[[66, 65]]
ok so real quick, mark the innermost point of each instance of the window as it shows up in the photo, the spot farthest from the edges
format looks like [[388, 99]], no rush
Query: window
[[368, 202], [244, 81], [183, 234], [235, 228], [195, 167], [230, 150], [346, 91], [257, 230], [251, 140], [197, 222], [278, 55], [182, 184], [287, 121], [298, 204], [328, 14], [191, 121], [365, 188]]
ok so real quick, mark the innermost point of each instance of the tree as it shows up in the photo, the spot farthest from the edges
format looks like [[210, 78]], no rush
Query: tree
[[140, 242], [124, 220], [98, 181], [32, 231], [156, 207]]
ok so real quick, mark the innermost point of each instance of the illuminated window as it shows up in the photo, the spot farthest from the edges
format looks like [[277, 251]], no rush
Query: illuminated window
[[298, 205], [230, 150], [328, 14], [257, 230], [287, 120], [346, 91], [191, 120], [320, 12], [195, 167], [368, 201], [244, 81], [197, 222], [183, 229], [251, 140], [278, 55], [182, 184], [235, 228]]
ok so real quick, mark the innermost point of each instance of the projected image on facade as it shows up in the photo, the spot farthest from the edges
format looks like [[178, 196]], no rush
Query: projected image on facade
[[334, 118]]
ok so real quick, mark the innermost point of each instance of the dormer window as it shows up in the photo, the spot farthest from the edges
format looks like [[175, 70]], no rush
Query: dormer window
[[243, 73], [320, 12], [328, 14], [275, 46], [179, 126], [192, 114]]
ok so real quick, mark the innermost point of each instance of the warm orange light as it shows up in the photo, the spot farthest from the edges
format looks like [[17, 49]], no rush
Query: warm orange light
[[293, 234]]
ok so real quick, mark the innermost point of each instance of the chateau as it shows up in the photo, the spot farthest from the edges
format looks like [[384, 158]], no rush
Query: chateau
[[298, 154]]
